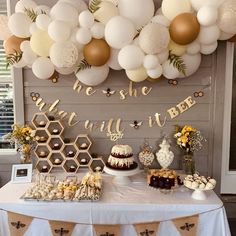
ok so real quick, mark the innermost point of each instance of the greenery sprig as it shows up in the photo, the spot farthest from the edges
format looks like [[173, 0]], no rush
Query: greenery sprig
[[13, 58], [177, 62], [94, 5], [83, 65], [33, 14]]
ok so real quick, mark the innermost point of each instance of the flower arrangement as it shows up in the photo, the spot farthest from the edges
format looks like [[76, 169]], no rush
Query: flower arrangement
[[188, 138], [23, 137]]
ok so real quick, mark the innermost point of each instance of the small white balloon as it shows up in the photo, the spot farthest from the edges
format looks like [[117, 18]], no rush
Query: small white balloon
[[33, 28], [113, 60], [150, 62], [59, 30], [25, 4], [43, 68], [225, 36], [156, 72], [163, 56], [208, 49], [119, 32], [209, 34], [25, 45], [98, 30], [169, 71], [193, 48], [207, 15], [43, 21], [130, 57], [162, 20], [86, 19], [137, 75], [74, 40], [83, 36], [19, 25], [29, 57]]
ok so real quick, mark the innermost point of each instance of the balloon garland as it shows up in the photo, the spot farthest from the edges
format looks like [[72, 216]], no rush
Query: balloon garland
[[116, 34]]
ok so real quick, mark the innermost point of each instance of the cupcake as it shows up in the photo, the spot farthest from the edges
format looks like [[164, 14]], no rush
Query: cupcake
[[83, 146], [70, 154], [72, 168], [55, 131], [44, 169], [57, 161], [42, 123], [56, 146], [42, 154], [83, 161]]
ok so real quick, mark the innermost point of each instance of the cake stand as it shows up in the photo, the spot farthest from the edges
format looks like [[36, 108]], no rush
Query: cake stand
[[199, 194], [122, 176]]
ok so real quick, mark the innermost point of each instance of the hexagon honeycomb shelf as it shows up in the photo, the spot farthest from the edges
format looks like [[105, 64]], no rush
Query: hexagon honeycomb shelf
[[52, 152]]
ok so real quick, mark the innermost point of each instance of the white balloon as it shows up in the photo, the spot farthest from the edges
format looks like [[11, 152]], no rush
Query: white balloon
[[59, 30], [5, 33], [42, 9], [169, 71], [172, 8], [19, 25], [139, 12], [197, 4], [225, 36], [24, 4], [192, 63], [83, 36], [93, 76], [79, 5], [67, 71], [25, 45], [33, 28], [106, 11], [137, 75], [162, 20], [86, 19], [154, 38], [98, 30], [74, 40], [159, 11], [163, 56], [193, 48], [113, 60], [119, 32], [156, 72], [29, 56], [20, 64], [130, 57], [43, 68], [43, 21], [65, 12], [208, 49], [207, 15], [209, 34], [64, 54], [150, 62]]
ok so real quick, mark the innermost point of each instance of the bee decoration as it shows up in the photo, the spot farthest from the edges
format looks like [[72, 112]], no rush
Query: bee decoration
[[173, 82], [187, 226], [61, 231], [136, 124], [34, 96], [18, 225], [147, 232], [108, 92], [198, 94]]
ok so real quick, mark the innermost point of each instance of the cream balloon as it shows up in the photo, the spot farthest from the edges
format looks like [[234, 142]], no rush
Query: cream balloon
[[83, 35], [209, 34], [130, 57], [65, 12], [225, 36], [106, 11], [208, 49], [172, 8], [169, 71], [113, 60], [19, 25], [197, 4], [59, 30], [163, 56], [150, 62], [119, 32], [156, 72], [137, 75], [93, 76], [29, 56], [64, 54], [43, 68], [40, 42], [86, 19], [5, 33], [192, 63], [33, 28], [154, 38], [79, 5], [176, 48], [25, 4], [140, 12], [98, 30], [207, 15], [193, 48], [43, 21], [162, 20]]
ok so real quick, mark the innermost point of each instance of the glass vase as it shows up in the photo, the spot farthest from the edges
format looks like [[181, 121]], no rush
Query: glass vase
[[25, 158], [188, 163]]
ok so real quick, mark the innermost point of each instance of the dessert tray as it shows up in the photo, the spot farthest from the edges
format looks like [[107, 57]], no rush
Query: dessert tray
[[70, 189]]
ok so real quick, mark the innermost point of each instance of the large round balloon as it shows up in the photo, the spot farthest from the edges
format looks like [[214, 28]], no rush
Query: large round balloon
[[4, 32], [154, 38], [25, 4], [93, 76], [209, 34], [43, 68], [83, 35], [65, 12], [41, 43], [33, 28], [66, 70], [163, 56], [156, 72], [169, 71], [172, 8], [106, 11], [79, 5], [119, 32], [97, 52], [197, 4], [137, 75], [12, 44], [59, 30], [207, 15], [43, 21], [227, 17], [113, 61], [130, 57], [194, 48], [209, 48], [225, 36], [150, 62], [19, 25], [64, 54], [86, 19], [184, 28], [160, 19], [139, 12]]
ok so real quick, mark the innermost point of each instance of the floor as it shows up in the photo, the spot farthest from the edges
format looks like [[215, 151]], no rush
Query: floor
[[232, 225]]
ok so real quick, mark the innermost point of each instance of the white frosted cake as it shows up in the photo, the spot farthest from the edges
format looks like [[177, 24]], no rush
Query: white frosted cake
[[121, 158]]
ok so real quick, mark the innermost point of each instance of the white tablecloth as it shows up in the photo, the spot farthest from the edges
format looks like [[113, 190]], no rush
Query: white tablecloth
[[124, 205]]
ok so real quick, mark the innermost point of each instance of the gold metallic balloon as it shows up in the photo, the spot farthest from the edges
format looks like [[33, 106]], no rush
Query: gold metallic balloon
[[12, 44], [184, 28], [97, 52]]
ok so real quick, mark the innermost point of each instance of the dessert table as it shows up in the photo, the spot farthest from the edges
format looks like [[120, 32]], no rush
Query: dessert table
[[125, 205]]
